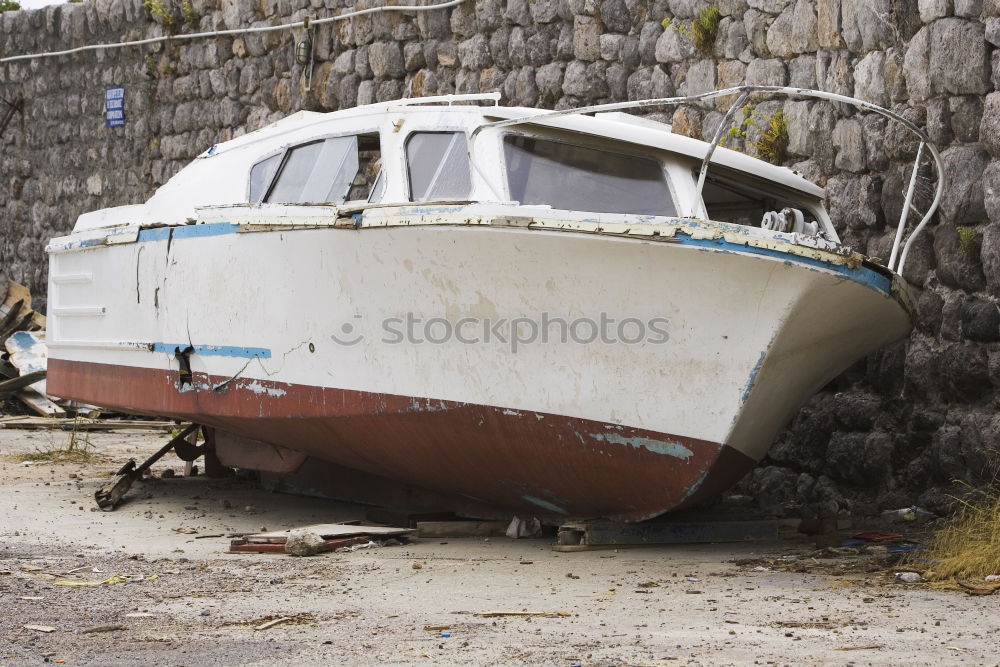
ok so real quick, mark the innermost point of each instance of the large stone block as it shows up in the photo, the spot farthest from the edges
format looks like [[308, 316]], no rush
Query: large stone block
[[990, 257], [767, 72], [867, 24], [700, 78], [869, 79], [386, 59], [649, 37], [934, 9], [586, 38], [828, 32], [674, 47], [849, 141], [959, 63], [731, 41], [794, 31], [615, 16], [958, 262], [962, 201], [472, 53]]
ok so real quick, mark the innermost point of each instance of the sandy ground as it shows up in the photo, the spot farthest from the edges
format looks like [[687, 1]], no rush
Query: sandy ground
[[651, 606]]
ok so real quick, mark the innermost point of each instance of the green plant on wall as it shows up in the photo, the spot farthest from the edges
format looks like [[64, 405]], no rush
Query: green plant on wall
[[702, 30], [187, 13], [159, 12], [8, 6], [773, 141], [967, 238], [739, 132]]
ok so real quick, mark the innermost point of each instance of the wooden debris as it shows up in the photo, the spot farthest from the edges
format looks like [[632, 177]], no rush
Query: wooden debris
[[335, 536], [39, 403], [271, 624], [82, 424], [539, 614], [298, 619], [461, 528], [39, 628], [20, 382], [101, 628]]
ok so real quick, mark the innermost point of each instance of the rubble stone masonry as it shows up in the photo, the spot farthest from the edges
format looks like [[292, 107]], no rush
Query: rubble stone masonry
[[901, 427]]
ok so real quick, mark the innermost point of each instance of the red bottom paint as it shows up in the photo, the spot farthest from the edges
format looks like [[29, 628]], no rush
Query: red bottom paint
[[529, 462]]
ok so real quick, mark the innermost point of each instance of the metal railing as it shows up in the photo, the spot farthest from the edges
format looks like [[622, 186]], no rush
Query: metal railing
[[897, 259]]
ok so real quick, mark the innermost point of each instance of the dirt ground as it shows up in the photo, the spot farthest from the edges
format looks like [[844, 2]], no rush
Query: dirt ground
[[423, 602]]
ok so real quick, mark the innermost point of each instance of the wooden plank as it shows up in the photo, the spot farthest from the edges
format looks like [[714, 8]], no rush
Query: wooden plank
[[328, 531], [461, 528], [242, 545], [20, 382], [406, 517], [39, 403], [84, 424]]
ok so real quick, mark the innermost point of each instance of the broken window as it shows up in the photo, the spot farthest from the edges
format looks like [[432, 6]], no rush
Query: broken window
[[438, 165], [578, 178], [331, 170], [727, 200]]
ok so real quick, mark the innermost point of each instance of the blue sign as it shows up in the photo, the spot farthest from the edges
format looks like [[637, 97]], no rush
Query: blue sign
[[114, 107]]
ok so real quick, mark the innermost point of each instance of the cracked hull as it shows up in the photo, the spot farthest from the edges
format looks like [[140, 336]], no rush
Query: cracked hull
[[536, 463]]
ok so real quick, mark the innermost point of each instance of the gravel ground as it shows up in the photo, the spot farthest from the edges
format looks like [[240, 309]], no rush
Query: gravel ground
[[705, 604]]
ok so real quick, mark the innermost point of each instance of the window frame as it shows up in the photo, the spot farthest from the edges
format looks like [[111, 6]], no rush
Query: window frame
[[406, 162], [592, 142], [285, 150]]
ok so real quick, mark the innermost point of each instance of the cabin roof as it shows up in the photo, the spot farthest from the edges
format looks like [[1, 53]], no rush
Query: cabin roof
[[612, 126]]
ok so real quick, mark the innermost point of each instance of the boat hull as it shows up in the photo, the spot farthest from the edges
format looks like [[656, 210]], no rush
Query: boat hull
[[288, 345], [540, 464]]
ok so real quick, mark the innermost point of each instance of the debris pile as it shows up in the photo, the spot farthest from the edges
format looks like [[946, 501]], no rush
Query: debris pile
[[320, 538], [24, 356]]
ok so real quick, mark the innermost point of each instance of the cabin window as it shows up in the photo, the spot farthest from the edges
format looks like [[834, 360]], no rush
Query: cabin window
[[578, 178], [438, 166], [261, 175], [331, 170], [729, 201]]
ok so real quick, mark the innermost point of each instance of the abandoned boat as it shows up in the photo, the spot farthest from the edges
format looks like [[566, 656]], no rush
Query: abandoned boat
[[561, 314]]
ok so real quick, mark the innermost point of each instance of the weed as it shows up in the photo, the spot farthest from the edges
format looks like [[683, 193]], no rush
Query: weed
[[702, 30], [967, 544], [773, 141], [967, 238], [159, 12], [77, 450], [8, 6], [187, 13]]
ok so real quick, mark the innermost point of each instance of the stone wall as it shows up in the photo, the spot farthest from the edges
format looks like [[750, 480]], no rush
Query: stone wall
[[897, 428]]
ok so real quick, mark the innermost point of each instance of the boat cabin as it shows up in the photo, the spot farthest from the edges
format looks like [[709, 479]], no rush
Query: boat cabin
[[607, 167]]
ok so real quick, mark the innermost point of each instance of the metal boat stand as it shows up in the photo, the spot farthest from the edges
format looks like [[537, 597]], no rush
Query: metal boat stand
[[110, 495], [589, 535]]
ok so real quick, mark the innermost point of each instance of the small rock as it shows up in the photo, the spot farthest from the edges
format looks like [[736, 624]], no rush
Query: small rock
[[908, 577], [167, 474], [304, 544], [417, 566]]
